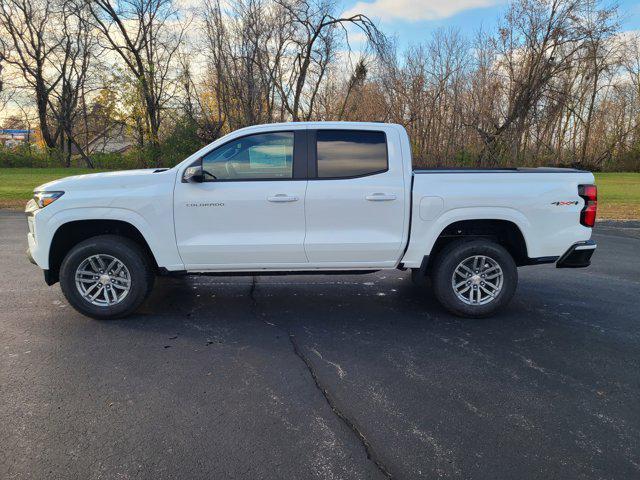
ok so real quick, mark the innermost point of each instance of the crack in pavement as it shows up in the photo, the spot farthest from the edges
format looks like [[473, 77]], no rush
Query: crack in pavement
[[371, 455], [334, 408]]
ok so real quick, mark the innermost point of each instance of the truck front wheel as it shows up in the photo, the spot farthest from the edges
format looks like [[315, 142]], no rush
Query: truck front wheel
[[106, 277], [474, 278]]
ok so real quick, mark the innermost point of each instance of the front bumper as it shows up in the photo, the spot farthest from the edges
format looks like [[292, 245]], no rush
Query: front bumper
[[578, 255], [35, 252], [50, 277], [38, 243], [30, 257]]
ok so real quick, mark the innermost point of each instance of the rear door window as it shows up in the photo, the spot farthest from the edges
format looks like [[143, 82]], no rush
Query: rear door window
[[350, 153]]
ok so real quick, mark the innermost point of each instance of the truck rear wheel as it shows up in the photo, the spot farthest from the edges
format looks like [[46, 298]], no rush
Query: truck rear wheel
[[474, 278], [106, 277]]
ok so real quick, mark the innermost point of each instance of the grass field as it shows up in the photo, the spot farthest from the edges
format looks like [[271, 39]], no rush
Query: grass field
[[17, 184], [618, 196], [618, 193]]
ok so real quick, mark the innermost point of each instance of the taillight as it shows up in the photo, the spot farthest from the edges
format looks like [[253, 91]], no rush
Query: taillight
[[590, 195]]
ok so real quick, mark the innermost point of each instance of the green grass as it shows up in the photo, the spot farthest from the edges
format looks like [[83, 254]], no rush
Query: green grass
[[618, 193], [17, 184]]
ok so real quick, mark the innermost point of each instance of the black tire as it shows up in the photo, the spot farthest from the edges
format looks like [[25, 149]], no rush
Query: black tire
[[126, 251], [448, 260]]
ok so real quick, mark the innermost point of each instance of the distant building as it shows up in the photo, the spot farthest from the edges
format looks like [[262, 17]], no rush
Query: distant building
[[11, 137], [114, 139]]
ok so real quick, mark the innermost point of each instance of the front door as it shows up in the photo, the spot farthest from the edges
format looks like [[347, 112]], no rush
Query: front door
[[248, 213]]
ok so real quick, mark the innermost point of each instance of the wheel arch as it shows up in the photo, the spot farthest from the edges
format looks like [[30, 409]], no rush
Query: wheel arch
[[426, 233], [504, 232], [70, 233]]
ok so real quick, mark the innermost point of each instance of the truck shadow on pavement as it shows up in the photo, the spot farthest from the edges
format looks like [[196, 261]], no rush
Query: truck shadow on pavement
[[381, 307]]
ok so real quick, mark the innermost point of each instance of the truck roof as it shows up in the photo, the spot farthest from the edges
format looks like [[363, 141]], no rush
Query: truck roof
[[325, 124]]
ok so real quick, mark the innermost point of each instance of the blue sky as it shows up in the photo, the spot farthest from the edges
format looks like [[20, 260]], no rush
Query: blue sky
[[411, 21]]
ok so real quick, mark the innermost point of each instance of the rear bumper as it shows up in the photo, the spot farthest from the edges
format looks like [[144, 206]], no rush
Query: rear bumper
[[578, 255]]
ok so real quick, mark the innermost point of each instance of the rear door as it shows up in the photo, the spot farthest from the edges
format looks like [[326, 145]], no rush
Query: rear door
[[355, 198], [249, 211]]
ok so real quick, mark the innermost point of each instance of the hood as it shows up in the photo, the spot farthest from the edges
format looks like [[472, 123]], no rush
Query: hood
[[98, 180]]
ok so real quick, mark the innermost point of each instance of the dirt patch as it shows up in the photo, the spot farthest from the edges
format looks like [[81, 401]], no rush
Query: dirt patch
[[618, 211], [13, 204]]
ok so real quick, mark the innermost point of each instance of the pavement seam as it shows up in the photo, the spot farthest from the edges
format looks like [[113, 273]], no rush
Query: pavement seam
[[350, 424]]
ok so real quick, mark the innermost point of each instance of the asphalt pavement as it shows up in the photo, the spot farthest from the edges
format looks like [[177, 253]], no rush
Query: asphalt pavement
[[328, 377]]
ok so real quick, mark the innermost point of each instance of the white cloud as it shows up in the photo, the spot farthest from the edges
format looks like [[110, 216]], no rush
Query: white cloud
[[357, 37], [415, 10], [627, 37]]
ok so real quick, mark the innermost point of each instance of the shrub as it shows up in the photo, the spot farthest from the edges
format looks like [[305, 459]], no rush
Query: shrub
[[29, 156], [180, 143]]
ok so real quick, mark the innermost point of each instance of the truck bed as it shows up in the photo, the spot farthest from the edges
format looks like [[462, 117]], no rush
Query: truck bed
[[499, 170], [545, 207]]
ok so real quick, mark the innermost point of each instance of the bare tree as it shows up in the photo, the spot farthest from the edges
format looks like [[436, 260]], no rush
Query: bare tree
[[29, 29], [146, 35], [315, 31], [72, 62], [537, 41], [556, 82], [209, 119], [239, 44], [355, 82], [270, 58], [5, 95]]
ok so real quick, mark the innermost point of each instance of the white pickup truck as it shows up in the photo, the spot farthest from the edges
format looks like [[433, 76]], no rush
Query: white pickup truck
[[301, 198]]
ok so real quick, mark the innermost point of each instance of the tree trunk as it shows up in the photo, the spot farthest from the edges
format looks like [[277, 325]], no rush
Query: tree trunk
[[42, 105]]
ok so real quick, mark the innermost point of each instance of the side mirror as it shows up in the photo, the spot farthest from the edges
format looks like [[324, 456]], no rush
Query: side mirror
[[193, 174]]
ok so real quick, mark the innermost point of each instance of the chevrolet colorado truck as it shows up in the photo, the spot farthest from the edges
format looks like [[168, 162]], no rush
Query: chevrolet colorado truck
[[301, 198]]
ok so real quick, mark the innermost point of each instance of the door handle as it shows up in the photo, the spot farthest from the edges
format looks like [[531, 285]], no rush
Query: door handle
[[380, 197], [282, 198]]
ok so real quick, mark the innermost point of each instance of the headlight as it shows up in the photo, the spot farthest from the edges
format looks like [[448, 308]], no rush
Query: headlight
[[43, 199]]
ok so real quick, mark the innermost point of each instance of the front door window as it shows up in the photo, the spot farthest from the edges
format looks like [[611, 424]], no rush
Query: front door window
[[266, 156]]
